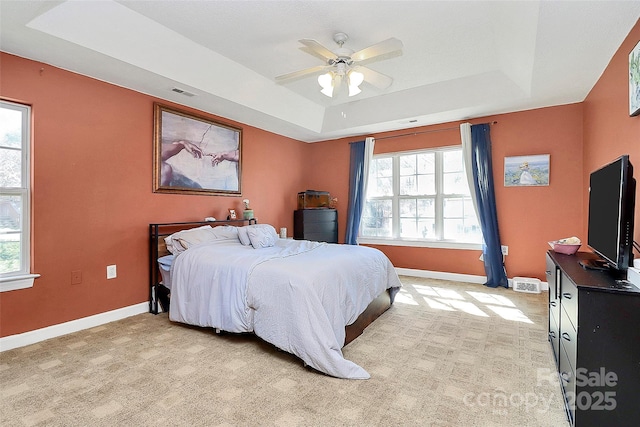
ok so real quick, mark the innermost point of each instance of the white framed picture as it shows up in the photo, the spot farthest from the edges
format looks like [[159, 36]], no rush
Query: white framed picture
[[634, 81], [526, 171]]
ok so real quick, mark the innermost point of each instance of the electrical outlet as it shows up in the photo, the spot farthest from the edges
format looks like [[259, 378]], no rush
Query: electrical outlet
[[505, 250], [76, 277], [111, 272]]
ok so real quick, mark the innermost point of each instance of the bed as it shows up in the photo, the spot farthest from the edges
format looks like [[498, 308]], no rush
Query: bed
[[307, 298]]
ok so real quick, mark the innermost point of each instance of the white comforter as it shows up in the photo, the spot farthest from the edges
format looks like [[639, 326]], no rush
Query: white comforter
[[297, 295]]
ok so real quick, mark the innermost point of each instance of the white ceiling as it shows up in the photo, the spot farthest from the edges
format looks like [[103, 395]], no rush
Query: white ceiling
[[460, 59]]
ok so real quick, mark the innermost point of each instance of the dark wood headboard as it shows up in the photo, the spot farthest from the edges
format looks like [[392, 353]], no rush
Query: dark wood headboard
[[158, 248]]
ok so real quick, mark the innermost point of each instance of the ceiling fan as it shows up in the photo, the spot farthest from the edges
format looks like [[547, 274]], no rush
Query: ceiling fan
[[345, 64]]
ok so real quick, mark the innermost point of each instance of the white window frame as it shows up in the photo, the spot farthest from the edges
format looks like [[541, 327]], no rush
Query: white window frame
[[430, 243], [23, 278]]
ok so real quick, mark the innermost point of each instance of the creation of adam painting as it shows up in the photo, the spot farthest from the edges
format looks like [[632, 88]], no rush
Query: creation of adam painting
[[195, 155]]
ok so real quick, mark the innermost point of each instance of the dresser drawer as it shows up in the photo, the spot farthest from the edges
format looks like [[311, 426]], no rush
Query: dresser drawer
[[568, 381], [554, 310], [554, 339], [568, 338], [320, 227], [554, 292], [569, 300], [316, 215]]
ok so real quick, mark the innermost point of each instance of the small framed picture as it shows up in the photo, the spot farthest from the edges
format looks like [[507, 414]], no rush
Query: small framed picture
[[524, 171], [634, 81], [232, 214]]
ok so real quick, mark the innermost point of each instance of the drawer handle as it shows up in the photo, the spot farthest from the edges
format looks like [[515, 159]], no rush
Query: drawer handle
[[566, 295], [552, 304], [548, 272], [566, 336], [552, 334], [566, 377]]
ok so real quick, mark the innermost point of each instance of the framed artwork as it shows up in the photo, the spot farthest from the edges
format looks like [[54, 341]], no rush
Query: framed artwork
[[634, 81], [526, 171], [195, 155], [232, 214]]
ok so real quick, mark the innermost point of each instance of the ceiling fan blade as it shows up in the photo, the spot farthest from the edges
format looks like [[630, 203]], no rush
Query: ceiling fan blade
[[316, 49], [379, 80], [301, 73], [379, 50]]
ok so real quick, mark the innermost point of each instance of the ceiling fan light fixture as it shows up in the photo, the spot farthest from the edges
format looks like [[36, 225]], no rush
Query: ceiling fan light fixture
[[354, 90], [326, 82], [355, 80], [341, 61]]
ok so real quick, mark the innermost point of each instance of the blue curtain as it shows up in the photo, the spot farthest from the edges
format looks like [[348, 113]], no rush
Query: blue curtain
[[486, 198], [356, 192]]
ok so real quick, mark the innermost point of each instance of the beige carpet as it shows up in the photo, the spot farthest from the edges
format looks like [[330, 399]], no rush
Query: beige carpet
[[446, 354]]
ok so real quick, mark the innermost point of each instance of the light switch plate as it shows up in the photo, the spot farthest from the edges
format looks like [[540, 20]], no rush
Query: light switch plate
[[111, 272]]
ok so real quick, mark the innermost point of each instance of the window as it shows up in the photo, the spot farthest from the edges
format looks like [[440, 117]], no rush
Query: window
[[420, 196], [14, 197]]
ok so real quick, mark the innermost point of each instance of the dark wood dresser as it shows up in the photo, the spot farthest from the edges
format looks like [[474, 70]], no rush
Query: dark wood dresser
[[319, 225], [594, 330]]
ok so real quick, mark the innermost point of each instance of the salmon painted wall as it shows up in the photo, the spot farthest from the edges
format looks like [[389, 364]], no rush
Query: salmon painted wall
[[528, 217], [92, 199], [609, 132], [92, 192]]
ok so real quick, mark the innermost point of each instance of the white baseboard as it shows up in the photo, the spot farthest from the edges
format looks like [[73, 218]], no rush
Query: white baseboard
[[32, 337], [457, 277], [427, 274]]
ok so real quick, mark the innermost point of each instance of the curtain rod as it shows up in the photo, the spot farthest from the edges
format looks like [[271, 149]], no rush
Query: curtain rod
[[425, 131]]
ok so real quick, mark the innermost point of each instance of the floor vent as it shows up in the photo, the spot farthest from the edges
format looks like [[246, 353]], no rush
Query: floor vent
[[526, 284]]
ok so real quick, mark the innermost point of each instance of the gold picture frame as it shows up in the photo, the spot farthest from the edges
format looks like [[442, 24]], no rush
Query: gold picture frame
[[194, 154]]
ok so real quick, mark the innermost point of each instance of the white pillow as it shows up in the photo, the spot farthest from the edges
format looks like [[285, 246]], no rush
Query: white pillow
[[173, 245], [243, 236], [262, 237], [184, 239], [192, 237], [226, 232]]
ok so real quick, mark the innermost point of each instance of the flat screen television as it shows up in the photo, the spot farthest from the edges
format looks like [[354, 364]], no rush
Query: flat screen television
[[612, 193]]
